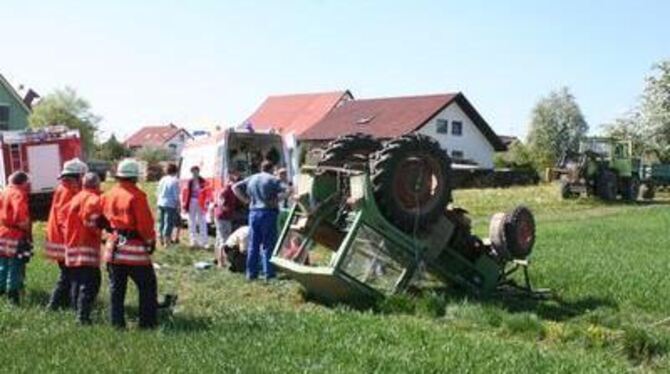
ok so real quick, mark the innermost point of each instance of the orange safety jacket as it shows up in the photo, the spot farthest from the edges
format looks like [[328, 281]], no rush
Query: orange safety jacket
[[55, 240], [15, 222], [82, 235], [126, 208]]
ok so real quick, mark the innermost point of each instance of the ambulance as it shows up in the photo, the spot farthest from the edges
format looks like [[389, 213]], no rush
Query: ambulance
[[241, 150]]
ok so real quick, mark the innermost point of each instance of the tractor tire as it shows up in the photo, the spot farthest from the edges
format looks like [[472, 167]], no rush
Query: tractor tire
[[565, 191], [520, 232], [411, 179], [647, 191], [606, 185], [630, 189], [512, 234], [349, 148]]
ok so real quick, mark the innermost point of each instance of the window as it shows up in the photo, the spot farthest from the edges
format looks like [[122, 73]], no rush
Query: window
[[457, 155], [369, 261], [4, 117], [442, 126], [456, 128]]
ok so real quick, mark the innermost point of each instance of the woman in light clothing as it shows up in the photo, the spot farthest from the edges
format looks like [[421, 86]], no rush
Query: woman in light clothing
[[196, 197]]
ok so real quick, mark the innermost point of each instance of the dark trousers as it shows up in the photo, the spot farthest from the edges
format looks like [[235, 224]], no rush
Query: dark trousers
[[262, 238], [60, 296], [85, 288], [144, 278]]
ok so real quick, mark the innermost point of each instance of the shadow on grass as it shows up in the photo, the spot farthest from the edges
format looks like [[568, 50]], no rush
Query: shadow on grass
[[552, 308]]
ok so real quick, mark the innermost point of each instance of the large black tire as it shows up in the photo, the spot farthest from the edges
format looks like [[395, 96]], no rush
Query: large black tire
[[411, 181], [630, 189], [606, 185], [647, 191], [565, 190], [349, 148], [39, 206]]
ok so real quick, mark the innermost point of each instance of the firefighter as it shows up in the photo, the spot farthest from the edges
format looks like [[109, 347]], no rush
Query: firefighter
[[15, 235], [70, 185], [82, 252], [128, 249]]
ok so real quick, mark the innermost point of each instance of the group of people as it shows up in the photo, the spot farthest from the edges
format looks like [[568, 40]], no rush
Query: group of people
[[85, 227], [244, 213]]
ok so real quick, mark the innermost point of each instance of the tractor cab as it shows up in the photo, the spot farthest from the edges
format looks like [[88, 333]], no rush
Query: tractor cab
[[611, 153], [348, 237]]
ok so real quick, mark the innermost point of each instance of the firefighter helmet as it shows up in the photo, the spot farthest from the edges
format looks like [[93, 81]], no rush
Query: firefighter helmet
[[74, 167], [128, 168]]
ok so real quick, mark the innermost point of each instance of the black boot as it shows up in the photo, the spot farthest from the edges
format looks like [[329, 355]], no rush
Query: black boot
[[13, 297]]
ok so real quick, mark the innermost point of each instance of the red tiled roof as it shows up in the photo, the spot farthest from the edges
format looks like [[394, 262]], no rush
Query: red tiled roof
[[391, 117], [154, 136], [295, 113]]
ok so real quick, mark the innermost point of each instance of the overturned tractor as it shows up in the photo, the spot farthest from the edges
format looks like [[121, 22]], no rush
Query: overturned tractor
[[370, 219]]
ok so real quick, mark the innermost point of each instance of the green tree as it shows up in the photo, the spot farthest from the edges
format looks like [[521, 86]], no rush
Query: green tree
[[152, 155], [655, 109], [518, 156], [111, 150], [557, 125], [65, 107]]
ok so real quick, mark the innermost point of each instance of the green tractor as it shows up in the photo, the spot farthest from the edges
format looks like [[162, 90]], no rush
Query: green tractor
[[603, 167], [373, 220]]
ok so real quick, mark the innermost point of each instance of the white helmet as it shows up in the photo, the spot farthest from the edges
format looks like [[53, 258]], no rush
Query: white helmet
[[128, 168], [74, 167]]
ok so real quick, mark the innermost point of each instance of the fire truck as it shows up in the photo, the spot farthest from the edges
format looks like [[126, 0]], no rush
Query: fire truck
[[40, 153]]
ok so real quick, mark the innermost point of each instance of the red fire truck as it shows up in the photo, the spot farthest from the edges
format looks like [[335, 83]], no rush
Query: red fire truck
[[40, 153]]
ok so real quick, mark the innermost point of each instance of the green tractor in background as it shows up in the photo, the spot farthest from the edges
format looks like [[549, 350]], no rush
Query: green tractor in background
[[375, 219], [603, 167]]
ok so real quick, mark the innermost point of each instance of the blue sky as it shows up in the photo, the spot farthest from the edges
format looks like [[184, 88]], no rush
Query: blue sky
[[200, 63]]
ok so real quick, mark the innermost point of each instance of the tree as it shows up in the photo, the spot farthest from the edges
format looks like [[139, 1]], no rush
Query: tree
[[152, 155], [65, 107], [557, 125], [655, 109], [111, 150], [518, 157]]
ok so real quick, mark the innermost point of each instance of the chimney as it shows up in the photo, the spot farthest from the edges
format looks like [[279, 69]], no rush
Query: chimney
[[30, 97]]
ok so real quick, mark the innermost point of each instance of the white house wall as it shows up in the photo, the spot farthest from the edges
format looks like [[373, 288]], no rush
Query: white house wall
[[472, 142]]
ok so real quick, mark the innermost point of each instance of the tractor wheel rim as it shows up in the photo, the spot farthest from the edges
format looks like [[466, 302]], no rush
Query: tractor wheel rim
[[417, 182]]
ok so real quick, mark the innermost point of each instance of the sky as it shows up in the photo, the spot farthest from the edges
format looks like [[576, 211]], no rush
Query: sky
[[212, 62]]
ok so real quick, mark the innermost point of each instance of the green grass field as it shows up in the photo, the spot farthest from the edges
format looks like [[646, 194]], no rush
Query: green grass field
[[608, 264]]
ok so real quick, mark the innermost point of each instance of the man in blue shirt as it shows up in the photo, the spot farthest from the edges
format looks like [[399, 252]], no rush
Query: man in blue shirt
[[168, 204], [261, 191]]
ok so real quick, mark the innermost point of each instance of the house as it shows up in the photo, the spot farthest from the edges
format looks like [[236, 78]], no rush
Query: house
[[294, 114], [170, 137], [508, 140], [14, 111], [449, 118]]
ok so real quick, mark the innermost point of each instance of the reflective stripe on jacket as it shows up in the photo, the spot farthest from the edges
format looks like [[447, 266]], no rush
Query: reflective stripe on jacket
[[82, 235], [55, 240], [14, 220], [133, 253], [126, 208]]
